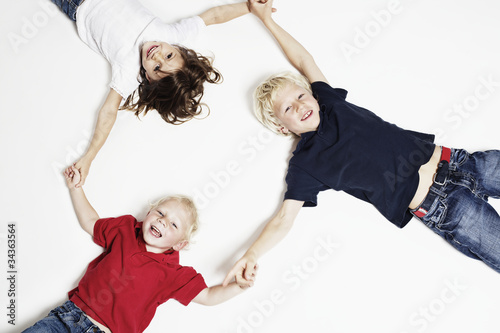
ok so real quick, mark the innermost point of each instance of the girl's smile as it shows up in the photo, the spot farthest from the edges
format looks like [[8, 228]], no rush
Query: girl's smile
[[153, 47]]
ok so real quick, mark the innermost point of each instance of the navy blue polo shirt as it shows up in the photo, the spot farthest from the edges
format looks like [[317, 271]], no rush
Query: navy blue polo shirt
[[355, 151]]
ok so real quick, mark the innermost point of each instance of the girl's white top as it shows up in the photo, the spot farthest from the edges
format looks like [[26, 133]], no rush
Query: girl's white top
[[118, 28]]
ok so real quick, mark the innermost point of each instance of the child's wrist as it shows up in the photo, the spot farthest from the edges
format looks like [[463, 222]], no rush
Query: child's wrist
[[73, 189], [250, 254], [89, 156], [267, 21]]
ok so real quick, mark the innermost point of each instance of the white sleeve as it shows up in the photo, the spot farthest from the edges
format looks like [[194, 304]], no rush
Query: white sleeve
[[188, 29], [124, 80], [184, 31]]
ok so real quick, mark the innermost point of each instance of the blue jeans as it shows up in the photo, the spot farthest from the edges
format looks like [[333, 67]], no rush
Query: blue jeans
[[68, 6], [66, 318], [457, 205]]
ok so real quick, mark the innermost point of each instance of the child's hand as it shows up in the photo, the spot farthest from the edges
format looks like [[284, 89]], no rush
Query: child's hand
[[261, 8], [83, 167], [244, 272], [72, 176]]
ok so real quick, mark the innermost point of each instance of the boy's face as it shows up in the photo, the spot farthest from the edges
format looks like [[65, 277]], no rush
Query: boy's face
[[159, 59], [297, 110], [165, 227]]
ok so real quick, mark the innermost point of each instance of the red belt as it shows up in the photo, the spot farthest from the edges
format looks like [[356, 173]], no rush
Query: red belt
[[439, 177], [445, 154]]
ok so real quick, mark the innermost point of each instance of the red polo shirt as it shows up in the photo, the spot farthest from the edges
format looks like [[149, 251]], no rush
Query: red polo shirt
[[125, 284]]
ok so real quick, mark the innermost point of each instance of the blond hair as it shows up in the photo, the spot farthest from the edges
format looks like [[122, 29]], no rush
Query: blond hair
[[189, 207], [265, 96]]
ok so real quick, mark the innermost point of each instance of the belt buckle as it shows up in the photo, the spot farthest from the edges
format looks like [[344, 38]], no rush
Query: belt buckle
[[442, 164]]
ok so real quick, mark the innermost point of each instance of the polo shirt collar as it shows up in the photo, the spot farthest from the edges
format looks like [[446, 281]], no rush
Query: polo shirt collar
[[167, 257]]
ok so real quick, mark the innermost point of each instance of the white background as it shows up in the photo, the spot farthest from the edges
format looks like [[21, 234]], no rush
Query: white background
[[415, 68]]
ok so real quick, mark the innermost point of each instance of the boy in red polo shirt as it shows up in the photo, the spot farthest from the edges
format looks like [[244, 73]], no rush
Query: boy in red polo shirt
[[138, 270]]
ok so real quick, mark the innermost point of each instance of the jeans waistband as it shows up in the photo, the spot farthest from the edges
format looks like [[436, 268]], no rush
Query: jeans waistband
[[439, 180]]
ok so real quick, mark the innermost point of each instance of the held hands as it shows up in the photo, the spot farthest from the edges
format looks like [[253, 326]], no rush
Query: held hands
[[243, 271], [73, 177], [261, 8], [83, 167]]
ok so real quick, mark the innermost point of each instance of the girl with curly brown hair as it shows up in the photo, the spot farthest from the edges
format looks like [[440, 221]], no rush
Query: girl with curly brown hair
[[150, 68]]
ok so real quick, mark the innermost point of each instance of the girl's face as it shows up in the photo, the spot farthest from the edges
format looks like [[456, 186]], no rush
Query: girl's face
[[165, 227], [160, 59], [297, 110]]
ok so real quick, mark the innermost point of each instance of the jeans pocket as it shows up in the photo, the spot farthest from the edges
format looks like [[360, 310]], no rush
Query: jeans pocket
[[436, 214], [69, 315], [460, 157]]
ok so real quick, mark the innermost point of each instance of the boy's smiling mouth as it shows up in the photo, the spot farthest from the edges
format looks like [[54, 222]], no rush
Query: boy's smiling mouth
[[155, 231], [306, 115]]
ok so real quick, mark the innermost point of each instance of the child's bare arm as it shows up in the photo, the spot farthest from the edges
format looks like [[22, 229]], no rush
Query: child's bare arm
[[224, 13], [298, 56], [86, 214], [217, 294], [275, 230], [105, 121]]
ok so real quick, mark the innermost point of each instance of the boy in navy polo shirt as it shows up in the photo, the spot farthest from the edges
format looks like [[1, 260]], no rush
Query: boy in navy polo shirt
[[138, 270], [348, 148]]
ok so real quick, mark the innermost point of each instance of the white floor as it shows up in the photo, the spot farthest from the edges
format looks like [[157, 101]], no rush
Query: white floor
[[425, 65]]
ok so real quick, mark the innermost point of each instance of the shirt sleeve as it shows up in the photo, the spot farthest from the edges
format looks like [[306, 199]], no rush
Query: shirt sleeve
[[189, 28], [105, 230], [302, 186], [124, 80], [188, 284], [322, 89], [184, 31]]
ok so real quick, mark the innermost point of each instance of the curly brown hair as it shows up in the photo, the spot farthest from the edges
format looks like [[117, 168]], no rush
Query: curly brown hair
[[176, 97]]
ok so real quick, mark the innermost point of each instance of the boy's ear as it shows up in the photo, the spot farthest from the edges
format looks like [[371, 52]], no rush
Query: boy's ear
[[179, 246], [284, 130]]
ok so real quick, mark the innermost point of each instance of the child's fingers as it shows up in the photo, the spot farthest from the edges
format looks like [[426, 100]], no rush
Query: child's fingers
[[262, 2], [80, 183], [79, 178], [228, 279], [70, 171], [249, 272], [67, 171], [256, 268], [245, 280], [243, 272], [243, 283], [68, 174], [233, 273]]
